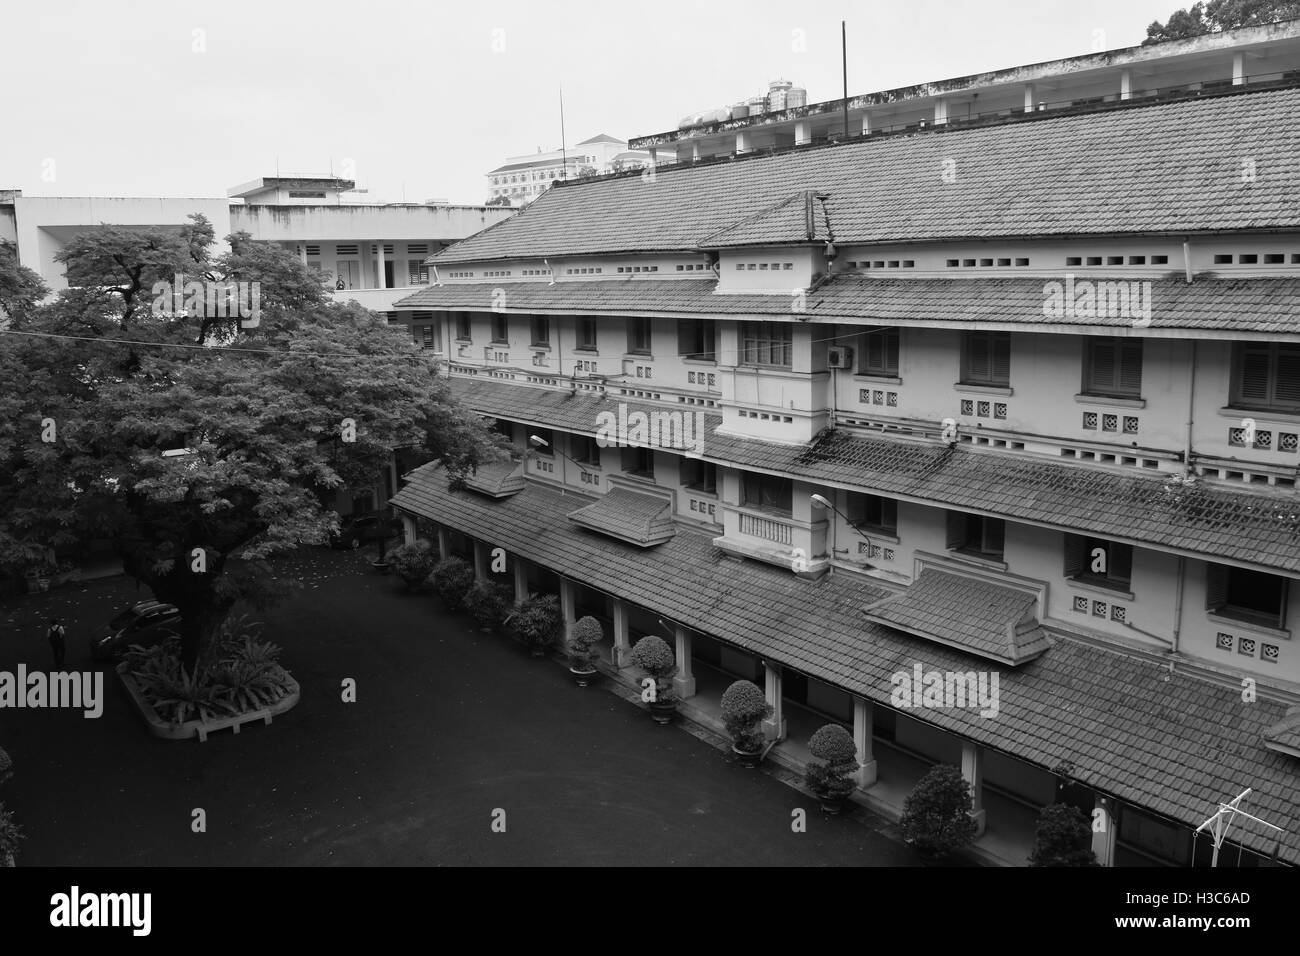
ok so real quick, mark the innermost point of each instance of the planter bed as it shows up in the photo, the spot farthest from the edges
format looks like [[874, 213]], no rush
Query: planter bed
[[201, 728]]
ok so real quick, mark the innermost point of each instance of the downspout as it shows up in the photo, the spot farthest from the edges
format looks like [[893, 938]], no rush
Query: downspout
[[1187, 464], [1178, 606]]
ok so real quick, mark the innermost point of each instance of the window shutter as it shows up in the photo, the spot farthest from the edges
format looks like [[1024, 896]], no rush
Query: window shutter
[[994, 535], [1286, 388], [1103, 366], [891, 352], [1076, 555], [1216, 586], [889, 514], [1253, 386], [1120, 561], [685, 336], [956, 529], [977, 357], [875, 352], [1001, 358], [1130, 368]]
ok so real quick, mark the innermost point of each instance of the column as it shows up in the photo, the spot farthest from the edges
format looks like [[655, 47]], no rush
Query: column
[[863, 720], [972, 768], [480, 560], [684, 682], [1029, 97], [408, 529], [622, 646], [567, 604], [1238, 69], [444, 542], [381, 281], [1126, 84], [521, 581], [940, 111], [654, 156], [802, 132], [695, 150], [1104, 830], [742, 140], [866, 124], [774, 726], [302, 252]]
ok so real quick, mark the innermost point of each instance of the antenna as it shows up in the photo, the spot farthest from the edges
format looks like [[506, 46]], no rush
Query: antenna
[[844, 57], [1219, 824], [564, 158]]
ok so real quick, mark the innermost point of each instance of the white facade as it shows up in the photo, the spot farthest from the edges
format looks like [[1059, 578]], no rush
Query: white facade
[[521, 179]]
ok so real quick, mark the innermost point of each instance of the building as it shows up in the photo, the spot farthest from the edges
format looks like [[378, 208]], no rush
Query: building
[[370, 253], [1251, 55], [1010, 406], [523, 178]]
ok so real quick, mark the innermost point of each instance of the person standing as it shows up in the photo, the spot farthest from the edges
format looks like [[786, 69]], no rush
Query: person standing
[[57, 637]]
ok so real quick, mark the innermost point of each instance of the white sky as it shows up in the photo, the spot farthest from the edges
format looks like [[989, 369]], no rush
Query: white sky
[[111, 97]]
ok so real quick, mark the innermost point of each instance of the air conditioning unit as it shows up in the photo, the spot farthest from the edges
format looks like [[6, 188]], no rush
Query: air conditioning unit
[[839, 356]]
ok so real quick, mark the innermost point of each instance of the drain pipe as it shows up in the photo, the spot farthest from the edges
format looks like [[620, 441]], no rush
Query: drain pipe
[[1191, 383], [1178, 606]]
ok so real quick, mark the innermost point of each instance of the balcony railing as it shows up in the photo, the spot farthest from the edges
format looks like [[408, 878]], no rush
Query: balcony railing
[[766, 528]]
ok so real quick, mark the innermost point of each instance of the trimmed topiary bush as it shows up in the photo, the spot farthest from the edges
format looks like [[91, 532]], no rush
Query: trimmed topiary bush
[[936, 815], [539, 621], [743, 710], [452, 578], [587, 632], [830, 776], [1063, 838], [414, 562], [653, 655], [488, 603]]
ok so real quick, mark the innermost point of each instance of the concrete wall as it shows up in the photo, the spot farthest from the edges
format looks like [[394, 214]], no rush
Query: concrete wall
[[322, 222]]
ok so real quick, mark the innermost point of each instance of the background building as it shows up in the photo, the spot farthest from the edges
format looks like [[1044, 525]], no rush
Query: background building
[[523, 178]]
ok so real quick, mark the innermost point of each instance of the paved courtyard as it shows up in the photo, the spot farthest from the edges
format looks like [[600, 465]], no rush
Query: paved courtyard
[[449, 726]]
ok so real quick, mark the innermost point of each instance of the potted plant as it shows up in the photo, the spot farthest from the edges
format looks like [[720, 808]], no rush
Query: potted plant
[[538, 621], [653, 655], [487, 604], [586, 634], [10, 835], [452, 578], [936, 815], [413, 563], [830, 776], [380, 563], [1063, 838], [743, 709]]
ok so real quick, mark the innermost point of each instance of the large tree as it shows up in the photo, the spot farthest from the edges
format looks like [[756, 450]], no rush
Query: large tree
[[1219, 15], [263, 425]]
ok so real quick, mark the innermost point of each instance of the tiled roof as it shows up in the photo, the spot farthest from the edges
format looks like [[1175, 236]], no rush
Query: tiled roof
[[629, 515], [1284, 736], [1266, 305], [785, 222], [1261, 529], [968, 613], [1166, 741], [1094, 174], [497, 479]]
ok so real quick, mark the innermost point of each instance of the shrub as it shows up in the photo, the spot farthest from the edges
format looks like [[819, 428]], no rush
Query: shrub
[[538, 621], [413, 562], [830, 776], [936, 815], [10, 833], [487, 603], [452, 578], [743, 710], [1063, 838], [653, 655], [587, 632]]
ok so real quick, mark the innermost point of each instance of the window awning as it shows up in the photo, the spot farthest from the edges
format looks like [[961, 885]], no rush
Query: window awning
[[968, 613], [1284, 736], [499, 479], [638, 517]]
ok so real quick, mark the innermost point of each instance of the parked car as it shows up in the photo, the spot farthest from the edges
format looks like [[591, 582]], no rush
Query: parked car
[[356, 530], [146, 624]]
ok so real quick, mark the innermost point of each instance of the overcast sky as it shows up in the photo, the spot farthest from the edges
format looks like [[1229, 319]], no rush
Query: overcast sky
[[180, 98]]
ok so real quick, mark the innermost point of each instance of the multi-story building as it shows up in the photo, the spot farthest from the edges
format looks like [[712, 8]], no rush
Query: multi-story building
[[371, 253], [521, 179], [1013, 407]]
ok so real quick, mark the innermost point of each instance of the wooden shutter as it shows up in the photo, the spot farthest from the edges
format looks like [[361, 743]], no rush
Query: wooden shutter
[[1252, 381], [1000, 358], [1130, 368], [1286, 382], [1119, 561], [686, 337], [1076, 555], [995, 530], [875, 352], [889, 514], [1216, 586], [956, 529], [977, 357], [1101, 365]]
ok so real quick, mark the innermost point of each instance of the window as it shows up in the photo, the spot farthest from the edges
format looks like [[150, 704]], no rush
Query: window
[[419, 272], [584, 450], [699, 475], [986, 358], [500, 330], [638, 336], [306, 195], [767, 493], [697, 339], [879, 353], [1113, 367], [586, 334], [766, 343], [462, 327], [639, 462], [1107, 564], [1246, 595], [541, 328], [976, 535], [1266, 375], [873, 512], [547, 436]]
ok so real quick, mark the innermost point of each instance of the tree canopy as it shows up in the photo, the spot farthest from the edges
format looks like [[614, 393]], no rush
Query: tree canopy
[[1219, 15], [263, 425]]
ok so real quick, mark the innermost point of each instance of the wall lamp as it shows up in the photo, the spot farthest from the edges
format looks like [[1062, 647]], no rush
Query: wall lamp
[[537, 441], [820, 501]]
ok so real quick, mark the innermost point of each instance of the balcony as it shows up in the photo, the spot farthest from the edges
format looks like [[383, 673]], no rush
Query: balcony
[[774, 538]]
